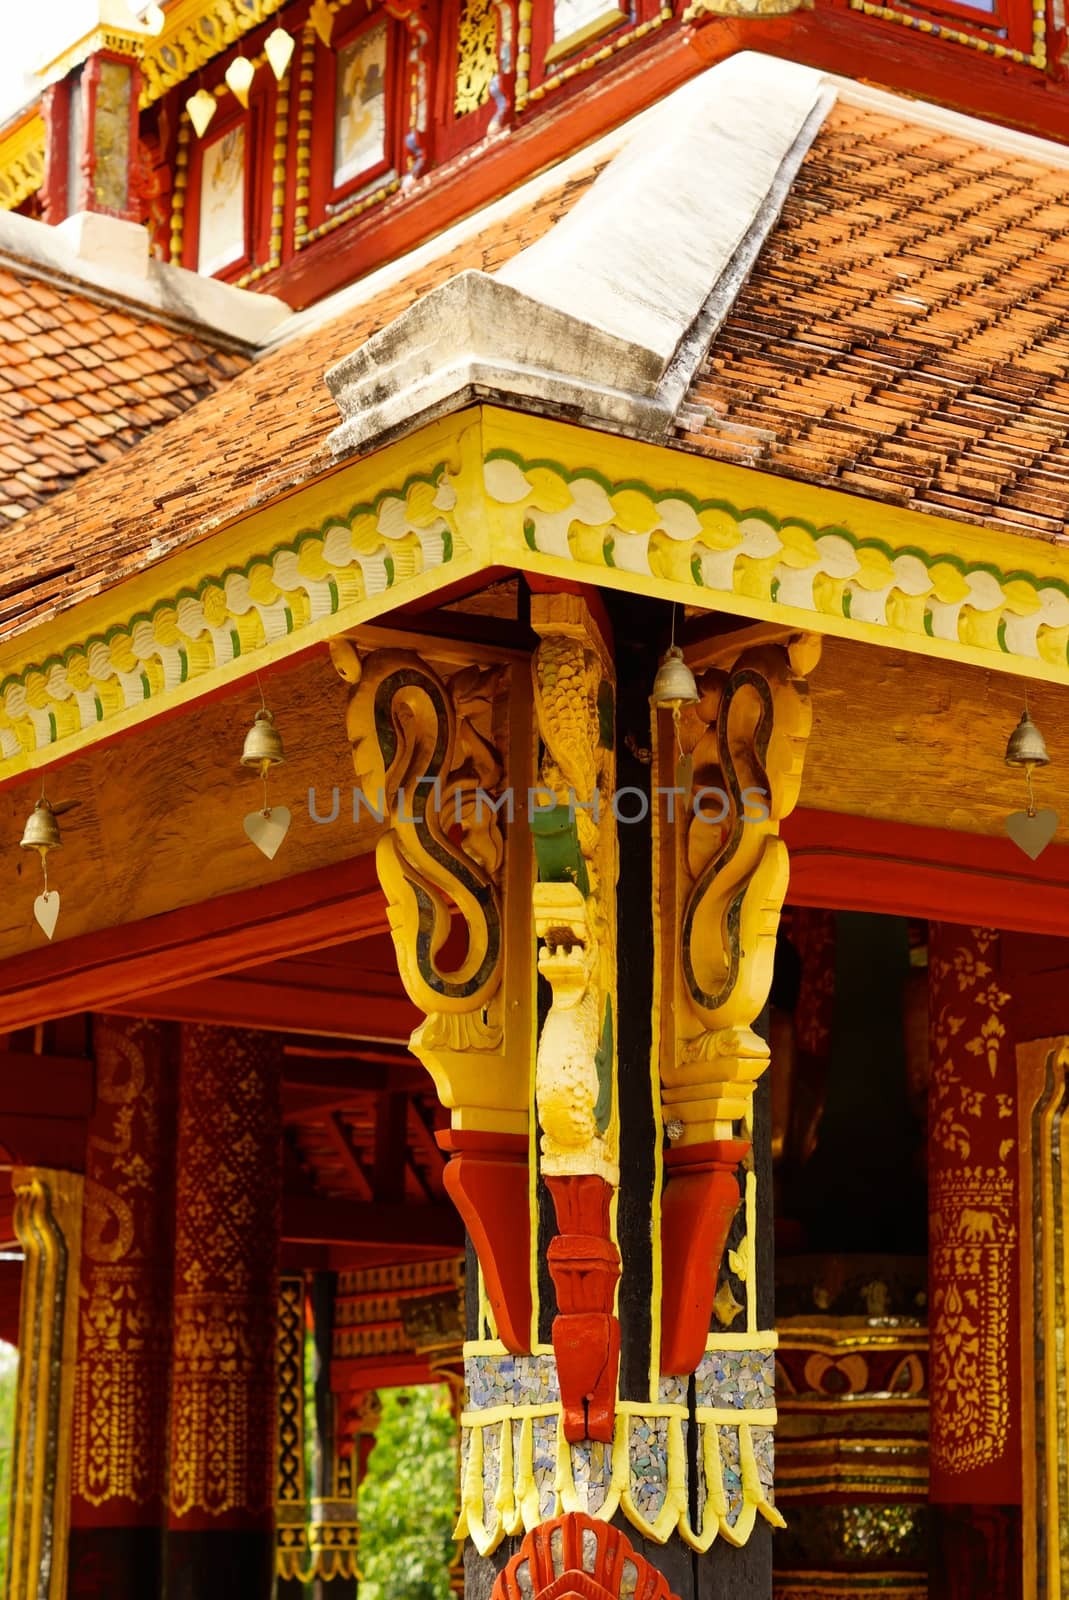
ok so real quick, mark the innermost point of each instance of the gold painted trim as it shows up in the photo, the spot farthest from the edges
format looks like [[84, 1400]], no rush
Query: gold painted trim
[[1043, 1127], [525, 95], [1037, 57], [48, 1223]]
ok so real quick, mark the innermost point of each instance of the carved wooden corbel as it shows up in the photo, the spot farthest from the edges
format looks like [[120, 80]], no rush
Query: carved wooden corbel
[[574, 917], [427, 749], [726, 869]]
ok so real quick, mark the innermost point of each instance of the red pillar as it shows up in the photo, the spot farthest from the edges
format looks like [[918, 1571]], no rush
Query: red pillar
[[120, 1399], [973, 1249], [220, 1540]]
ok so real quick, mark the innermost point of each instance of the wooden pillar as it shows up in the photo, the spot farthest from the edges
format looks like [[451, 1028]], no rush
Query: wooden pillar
[[120, 1401], [91, 133], [220, 1525], [975, 1438], [1043, 1099], [606, 1431], [48, 1223]]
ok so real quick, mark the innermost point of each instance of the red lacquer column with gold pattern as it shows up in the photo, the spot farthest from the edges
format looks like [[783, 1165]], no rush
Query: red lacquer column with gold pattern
[[223, 1390], [124, 1320], [973, 1234]]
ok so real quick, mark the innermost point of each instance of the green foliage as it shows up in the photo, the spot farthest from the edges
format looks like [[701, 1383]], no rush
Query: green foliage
[[408, 1499], [9, 1363]]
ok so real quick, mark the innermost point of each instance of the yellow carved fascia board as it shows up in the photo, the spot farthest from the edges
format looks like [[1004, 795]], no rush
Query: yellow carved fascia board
[[22, 160], [571, 503], [344, 551], [545, 497]]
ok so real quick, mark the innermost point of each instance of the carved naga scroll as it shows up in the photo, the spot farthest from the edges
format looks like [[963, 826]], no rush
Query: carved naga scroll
[[428, 752], [726, 870], [574, 917]]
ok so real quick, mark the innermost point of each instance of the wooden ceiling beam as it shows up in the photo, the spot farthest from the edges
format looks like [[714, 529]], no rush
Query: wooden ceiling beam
[[342, 1145], [845, 863], [423, 1138], [249, 1001], [44, 1085], [391, 1146], [353, 1074], [110, 969], [309, 1219]]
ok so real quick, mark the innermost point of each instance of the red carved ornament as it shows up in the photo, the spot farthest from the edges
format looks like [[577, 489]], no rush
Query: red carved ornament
[[575, 1558]]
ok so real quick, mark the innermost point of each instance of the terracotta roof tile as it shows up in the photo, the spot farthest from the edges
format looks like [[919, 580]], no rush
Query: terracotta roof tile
[[904, 334], [247, 440], [60, 402]]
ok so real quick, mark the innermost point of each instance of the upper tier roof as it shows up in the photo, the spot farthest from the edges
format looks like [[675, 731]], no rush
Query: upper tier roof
[[253, 439], [868, 295]]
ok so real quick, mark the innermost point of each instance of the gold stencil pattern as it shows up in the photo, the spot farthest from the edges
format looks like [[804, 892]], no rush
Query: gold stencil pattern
[[121, 1377], [972, 1207], [476, 55], [223, 1391]]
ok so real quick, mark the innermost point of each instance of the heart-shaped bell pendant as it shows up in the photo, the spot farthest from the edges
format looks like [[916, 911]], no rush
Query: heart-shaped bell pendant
[[268, 828]]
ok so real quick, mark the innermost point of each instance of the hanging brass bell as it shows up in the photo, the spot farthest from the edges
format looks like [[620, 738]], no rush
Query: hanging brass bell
[[42, 830], [1025, 747], [674, 685], [263, 744]]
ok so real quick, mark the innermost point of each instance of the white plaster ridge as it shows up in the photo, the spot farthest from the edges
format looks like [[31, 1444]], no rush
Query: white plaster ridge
[[108, 259], [605, 319]]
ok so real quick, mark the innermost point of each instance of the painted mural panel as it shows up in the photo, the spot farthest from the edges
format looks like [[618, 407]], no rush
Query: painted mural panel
[[360, 108], [222, 238]]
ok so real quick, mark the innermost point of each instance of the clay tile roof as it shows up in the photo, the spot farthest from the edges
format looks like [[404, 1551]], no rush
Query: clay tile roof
[[905, 332], [246, 443], [62, 412]]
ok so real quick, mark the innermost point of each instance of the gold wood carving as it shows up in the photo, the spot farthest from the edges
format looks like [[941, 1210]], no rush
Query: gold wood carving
[[574, 900], [476, 55], [48, 1222], [747, 737], [1042, 1100], [22, 162], [429, 748]]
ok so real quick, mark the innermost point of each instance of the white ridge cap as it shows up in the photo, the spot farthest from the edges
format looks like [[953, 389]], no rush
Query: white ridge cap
[[108, 259], [606, 317]]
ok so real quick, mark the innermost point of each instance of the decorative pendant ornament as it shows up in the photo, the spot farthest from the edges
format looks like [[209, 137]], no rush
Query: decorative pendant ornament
[[278, 48], [1031, 830], [322, 19], [201, 107], [263, 750], [239, 76], [673, 688], [42, 834]]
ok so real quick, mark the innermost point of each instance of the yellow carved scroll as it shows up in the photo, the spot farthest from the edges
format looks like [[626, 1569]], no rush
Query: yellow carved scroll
[[725, 869]]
